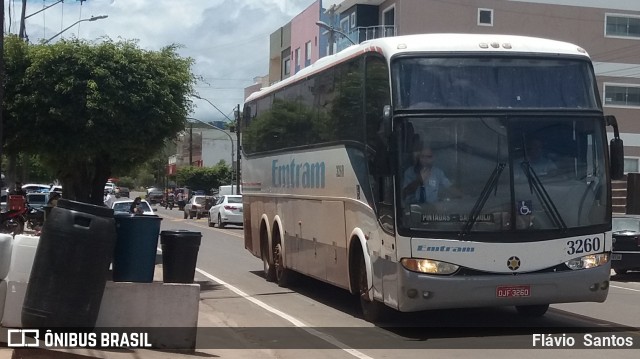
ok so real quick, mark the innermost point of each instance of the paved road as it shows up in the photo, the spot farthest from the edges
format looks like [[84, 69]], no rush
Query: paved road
[[326, 316]]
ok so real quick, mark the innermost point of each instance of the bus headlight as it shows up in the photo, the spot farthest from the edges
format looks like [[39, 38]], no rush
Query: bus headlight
[[590, 261], [428, 266]]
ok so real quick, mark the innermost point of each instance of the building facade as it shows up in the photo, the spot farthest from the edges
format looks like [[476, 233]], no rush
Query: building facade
[[305, 37], [280, 54], [205, 147]]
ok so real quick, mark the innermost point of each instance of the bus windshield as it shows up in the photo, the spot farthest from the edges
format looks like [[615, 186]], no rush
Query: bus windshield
[[493, 83], [465, 174]]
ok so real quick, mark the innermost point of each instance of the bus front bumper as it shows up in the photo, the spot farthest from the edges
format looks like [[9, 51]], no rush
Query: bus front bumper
[[418, 291]]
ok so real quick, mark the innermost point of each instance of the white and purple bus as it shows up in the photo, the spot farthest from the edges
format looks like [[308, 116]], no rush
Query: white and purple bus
[[330, 154]]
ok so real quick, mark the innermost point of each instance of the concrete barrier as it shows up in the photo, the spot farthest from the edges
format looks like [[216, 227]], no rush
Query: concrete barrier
[[3, 297], [6, 244], [169, 312], [15, 294]]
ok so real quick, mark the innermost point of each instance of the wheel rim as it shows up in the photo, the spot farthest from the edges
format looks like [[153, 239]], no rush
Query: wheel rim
[[265, 263], [363, 285], [277, 260]]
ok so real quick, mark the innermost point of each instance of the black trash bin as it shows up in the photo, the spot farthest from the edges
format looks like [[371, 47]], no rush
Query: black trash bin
[[179, 255], [47, 211], [134, 257], [70, 267]]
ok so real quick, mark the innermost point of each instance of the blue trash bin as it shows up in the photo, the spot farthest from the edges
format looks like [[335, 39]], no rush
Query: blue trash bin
[[134, 257]]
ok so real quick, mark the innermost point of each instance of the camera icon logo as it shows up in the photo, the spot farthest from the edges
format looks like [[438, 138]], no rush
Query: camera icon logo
[[23, 338]]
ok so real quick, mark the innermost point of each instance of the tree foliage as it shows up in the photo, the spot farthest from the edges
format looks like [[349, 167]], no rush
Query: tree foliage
[[91, 109], [204, 178]]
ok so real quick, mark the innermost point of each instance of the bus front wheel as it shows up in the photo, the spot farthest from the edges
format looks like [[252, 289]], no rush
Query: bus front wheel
[[372, 310], [532, 310]]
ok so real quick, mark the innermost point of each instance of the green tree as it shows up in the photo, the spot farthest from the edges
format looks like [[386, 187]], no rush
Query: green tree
[[205, 178], [126, 181], [97, 108]]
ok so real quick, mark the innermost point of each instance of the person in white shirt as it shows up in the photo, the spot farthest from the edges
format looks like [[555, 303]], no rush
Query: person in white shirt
[[111, 197], [538, 160]]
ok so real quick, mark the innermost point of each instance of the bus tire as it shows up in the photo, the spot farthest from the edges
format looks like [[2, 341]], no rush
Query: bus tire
[[532, 310], [268, 266], [372, 310], [284, 277]]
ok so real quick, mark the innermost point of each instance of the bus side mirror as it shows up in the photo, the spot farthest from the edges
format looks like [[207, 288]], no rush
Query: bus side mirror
[[616, 150]]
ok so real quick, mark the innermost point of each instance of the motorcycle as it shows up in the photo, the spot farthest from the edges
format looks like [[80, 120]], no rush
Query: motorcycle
[[169, 204], [34, 218], [12, 222]]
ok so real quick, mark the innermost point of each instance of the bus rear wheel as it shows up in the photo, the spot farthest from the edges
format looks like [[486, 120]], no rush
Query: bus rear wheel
[[269, 267], [284, 276], [532, 310]]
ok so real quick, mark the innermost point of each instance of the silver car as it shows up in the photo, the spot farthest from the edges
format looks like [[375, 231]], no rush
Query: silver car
[[227, 210], [196, 207]]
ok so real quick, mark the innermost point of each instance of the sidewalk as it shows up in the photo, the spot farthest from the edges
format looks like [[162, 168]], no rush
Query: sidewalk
[[207, 317]]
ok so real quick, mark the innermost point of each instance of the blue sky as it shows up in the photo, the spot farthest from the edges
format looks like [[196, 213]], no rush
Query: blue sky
[[229, 39]]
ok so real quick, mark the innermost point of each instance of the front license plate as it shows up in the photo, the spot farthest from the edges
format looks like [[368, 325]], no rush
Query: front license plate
[[510, 291], [616, 256]]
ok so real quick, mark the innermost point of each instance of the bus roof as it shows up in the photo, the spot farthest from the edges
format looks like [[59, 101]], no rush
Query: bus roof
[[390, 46]]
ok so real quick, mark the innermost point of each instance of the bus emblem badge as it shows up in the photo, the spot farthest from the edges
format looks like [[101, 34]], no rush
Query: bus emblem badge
[[513, 263]]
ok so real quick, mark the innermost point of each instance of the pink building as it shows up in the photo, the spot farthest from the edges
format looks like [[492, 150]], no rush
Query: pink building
[[305, 37]]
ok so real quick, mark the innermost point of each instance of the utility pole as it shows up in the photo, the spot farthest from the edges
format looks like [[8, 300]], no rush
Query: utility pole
[[1, 82], [238, 150], [22, 33], [332, 34], [190, 143]]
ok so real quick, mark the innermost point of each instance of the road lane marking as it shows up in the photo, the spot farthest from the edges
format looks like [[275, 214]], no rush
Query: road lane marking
[[631, 289], [203, 225], [296, 322]]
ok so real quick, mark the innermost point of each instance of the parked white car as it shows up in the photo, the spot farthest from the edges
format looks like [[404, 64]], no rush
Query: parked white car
[[227, 210], [123, 205], [34, 187]]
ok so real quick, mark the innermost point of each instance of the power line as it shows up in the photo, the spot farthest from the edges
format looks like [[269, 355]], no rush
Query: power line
[[235, 43]]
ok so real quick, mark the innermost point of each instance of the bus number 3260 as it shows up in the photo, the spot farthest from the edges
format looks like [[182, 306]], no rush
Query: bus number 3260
[[584, 245]]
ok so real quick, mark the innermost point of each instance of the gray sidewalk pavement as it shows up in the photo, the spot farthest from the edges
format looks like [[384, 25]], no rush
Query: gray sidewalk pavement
[[207, 317]]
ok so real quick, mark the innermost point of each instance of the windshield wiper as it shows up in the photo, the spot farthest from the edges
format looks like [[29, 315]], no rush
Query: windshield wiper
[[492, 184], [535, 185]]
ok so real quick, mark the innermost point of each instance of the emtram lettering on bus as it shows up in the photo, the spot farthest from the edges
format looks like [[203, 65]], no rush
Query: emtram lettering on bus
[[296, 175], [426, 248]]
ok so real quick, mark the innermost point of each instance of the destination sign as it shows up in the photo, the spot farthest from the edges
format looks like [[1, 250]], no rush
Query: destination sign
[[437, 217]]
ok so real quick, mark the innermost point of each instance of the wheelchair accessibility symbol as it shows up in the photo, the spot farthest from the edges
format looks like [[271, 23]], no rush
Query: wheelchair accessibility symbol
[[525, 208]]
